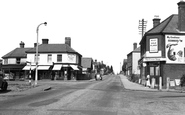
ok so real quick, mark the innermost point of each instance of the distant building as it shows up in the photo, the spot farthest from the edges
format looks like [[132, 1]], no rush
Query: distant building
[[87, 65], [162, 48], [132, 61]]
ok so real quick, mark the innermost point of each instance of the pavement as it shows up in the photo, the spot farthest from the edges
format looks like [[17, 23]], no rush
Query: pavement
[[139, 87]]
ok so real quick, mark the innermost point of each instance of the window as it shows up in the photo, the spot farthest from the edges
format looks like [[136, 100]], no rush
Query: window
[[59, 58], [157, 69], [38, 58], [5, 61], [151, 71], [49, 58], [18, 60]]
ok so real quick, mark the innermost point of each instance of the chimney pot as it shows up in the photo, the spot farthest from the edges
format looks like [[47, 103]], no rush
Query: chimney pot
[[22, 44], [156, 21], [135, 46], [68, 41], [45, 41], [35, 45]]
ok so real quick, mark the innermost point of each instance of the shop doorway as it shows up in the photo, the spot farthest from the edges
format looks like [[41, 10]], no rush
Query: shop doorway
[[154, 72]]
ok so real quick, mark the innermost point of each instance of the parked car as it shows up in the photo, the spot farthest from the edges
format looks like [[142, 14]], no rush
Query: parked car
[[3, 82]]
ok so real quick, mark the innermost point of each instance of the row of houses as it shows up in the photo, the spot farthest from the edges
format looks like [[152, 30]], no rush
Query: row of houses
[[162, 50], [58, 60]]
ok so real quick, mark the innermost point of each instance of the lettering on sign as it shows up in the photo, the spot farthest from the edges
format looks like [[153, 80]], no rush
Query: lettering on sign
[[154, 45]]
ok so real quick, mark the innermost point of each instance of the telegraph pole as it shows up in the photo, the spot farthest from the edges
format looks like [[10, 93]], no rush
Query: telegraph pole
[[142, 27]]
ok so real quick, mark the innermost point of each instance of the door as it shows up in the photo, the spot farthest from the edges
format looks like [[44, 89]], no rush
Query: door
[[155, 73]]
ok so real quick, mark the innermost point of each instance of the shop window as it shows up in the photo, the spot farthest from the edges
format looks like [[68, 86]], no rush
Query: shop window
[[151, 71], [59, 58]]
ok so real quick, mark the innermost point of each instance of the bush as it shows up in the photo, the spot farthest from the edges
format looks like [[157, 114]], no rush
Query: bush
[[134, 77], [182, 80]]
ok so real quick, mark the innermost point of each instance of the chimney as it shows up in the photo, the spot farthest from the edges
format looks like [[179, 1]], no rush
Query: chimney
[[156, 21], [22, 44], [181, 16], [35, 45], [68, 41], [45, 41], [135, 46]]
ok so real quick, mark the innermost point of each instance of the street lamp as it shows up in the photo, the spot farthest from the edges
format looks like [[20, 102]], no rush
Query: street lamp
[[36, 61]]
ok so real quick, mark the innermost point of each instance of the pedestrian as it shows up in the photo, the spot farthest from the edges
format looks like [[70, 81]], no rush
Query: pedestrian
[[148, 81], [53, 75]]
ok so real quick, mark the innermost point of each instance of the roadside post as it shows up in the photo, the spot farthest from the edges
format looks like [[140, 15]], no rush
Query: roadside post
[[160, 83], [153, 83], [30, 75], [167, 83]]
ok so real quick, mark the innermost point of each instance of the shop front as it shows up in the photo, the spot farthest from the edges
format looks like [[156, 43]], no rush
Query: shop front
[[151, 67]]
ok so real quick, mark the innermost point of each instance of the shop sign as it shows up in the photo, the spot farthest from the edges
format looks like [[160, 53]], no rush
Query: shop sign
[[175, 46], [153, 45], [153, 59], [71, 58]]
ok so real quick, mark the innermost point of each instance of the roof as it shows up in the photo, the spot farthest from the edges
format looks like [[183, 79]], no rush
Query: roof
[[137, 50], [86, 62], [17, 53], [168, 26], [53, 48]]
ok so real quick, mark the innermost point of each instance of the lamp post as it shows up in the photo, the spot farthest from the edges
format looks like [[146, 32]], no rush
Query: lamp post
[[36, 61]]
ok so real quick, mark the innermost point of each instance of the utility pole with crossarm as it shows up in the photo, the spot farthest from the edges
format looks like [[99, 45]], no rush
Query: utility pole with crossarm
[[142, 27]]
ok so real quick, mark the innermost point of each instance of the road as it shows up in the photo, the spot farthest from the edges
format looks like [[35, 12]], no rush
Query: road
[[107, 97]]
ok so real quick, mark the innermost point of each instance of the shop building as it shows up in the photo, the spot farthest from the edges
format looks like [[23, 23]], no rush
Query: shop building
[[55, 61], [14, 61], [163, 48]]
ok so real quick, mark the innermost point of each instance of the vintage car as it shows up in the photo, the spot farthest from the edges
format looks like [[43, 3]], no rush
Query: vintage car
[[98, 76]]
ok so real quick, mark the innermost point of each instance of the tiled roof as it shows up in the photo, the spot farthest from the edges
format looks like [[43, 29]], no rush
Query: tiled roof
[[17, 53], [53, 48], [86, 62], [169, 25]]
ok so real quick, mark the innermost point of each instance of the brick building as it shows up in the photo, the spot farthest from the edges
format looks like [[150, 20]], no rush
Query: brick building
[[163, 48]]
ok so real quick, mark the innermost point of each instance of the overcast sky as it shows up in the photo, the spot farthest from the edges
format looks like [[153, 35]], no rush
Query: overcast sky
[[102, 29]]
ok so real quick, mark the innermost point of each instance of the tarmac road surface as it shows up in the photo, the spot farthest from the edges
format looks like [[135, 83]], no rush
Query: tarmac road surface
[[107, 97]]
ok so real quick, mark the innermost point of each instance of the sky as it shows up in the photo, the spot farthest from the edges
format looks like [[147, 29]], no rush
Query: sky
[[101, 29]]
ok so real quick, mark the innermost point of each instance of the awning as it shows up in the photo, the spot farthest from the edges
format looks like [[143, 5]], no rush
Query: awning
[[57, 67], [43, 67], [74, 67], [27, 67], [65, 65]]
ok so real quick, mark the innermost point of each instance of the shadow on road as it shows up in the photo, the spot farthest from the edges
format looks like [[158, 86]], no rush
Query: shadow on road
[[2, 92]]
